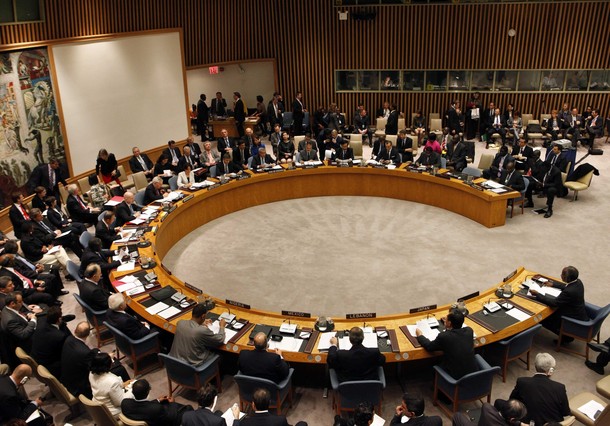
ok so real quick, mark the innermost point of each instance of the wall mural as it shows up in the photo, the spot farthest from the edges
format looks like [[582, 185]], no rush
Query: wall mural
[[29, 125]]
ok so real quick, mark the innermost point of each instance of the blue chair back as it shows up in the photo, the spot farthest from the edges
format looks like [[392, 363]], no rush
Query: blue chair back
[[131, 347], [74, 270], [287, 120], [173, 183], [472, 171], [212, 171], [179, 371], [597, 316], [92, 316], [248, 384], [521, 342], [353, 393], [84, 239], [139, 197]]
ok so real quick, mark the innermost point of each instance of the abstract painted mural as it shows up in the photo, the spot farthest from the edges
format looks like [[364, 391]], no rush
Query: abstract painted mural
[[29, 124]]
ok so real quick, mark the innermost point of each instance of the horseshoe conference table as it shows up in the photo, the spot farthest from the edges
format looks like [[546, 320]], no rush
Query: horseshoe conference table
[[394, 338]]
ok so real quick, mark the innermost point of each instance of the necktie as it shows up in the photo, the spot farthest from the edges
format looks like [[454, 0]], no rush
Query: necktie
[[508, 178], [24, 279], [307, 155], [26, 262], [344, 154], [553, 160], [188, 160], [130, 209], [141, 160], [227, 142], [521, 151], [51, 177], [81, 202], [25, 214], [174, 157], [46, 228]]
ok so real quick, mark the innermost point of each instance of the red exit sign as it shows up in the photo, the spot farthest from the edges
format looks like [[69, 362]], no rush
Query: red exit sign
[[214, 70]]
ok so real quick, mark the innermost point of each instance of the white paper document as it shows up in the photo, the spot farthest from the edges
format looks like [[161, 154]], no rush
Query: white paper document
[[156, 308], [174, 195], [517, 314], [169, 312], [128, 266], [548, 291], [425, 328], [136, 290], [215, 327], [288, 344], [378, 421], [370, 341], [54, 249], [591, 408], [492, 184], [228, 416], [324, 341], [202, 184], [128, 286], [112, 203], [63, 234]]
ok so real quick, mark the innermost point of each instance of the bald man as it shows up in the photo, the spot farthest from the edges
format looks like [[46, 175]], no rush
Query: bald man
[[12, 404], [127, 210], [261, 363]]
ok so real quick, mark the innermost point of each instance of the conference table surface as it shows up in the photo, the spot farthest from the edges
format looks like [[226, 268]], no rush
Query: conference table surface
[[203, 206]]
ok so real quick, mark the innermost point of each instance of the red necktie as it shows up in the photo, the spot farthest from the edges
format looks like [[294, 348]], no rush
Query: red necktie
[[24, 279], [24, 213], [81, 203]]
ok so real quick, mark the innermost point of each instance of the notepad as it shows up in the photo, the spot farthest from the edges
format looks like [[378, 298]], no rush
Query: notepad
[[378, 421], [517, 314], [370, 341], [228, 416], [324, 341], [288, 344], [128, 266], [215, 328], [156, 308], [424, 327], [169, 312], [591, 409]]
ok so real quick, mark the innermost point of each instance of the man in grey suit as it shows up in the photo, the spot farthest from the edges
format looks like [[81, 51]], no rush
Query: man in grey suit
[[308, 154], [194, 335], [20, 328]]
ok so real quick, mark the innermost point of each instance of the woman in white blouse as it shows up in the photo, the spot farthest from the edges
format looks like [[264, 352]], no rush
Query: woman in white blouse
[[186, 177], [107, 388]]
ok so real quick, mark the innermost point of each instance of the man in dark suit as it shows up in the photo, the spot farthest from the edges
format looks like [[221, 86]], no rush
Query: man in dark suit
[[225, 144], [263, 364], [429, 158], [344, 153], [19, 328], [48, 340], [48, 176], [357, 363], [226, 166], [459, 152], [308, 153], [412, 408], [391, 126], [13, 405], [18, 213], [556, 158], [188, 158], [241, 154], [239, 112], [569, 303], [121, 320], [384, 111], [552, 186], [78, 209], [46, 232], [298, 114], [275, 111], [498, 125], [522, 153], [94, 254], [203, 116], [512, 178], [90, 291], [545, 400], [404, 146], [362, 125], [262, 160], [163, 411], [498, 164], [510, 415], [205, 415], [486, 120], [388, 155], [59, 219], [573, 125], [106, 230], [140, 162], [594, 127], [457, 345], [194, 147], [261, 415], [36, 288], [126, 211], [154, 191], [536, 171], [219, 105], [173, 153]]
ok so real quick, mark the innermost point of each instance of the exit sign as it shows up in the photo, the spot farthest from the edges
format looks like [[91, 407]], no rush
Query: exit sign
[[213, 70]]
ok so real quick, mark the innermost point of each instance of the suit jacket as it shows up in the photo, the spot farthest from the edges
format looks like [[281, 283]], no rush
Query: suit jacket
[[493, 120], [401, 145], [222, 168], [487, 118], [340, 155], [18, 328], [312, 156], [123, 213], [195, 148], [275, 138], [93, 295], [77, 212], [358, 363], [458, 351], [136, 166], [168, 153], [495, 164], [183, 161], [99, 258], [191, 341], [419, 421], [297, 110], [491, 417], [239, 113], [434, 159], [570, 302], [40, 177], [391, 127], [222, 144], [57, 219], [17, 219], [561, 161], [12, 404], [202, 417], [514, 181], [151, 194], [459, 153], [527, 151], [32, 247], [263, 364], [262, 419], [76, 359], [595, 129], [215, 156], [42, 234], [47, 344], [239, 159], [552, 178], [273, 119], [392, 155], [152, 412], [129, 325], [362, 123], [257, 161], [544, 399], [219, 107], [106, 234]]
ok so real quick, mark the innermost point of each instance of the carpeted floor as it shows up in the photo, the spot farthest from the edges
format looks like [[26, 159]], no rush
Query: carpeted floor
[[390, 255]]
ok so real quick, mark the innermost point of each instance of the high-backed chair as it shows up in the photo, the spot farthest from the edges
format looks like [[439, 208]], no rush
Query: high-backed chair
[[603, 387], [296, 140], [96, 319], [471, 387], [139, 180], [126, 182], [581, 184], [508, 350], [129, 422], [26, 359], [401, 124], [287, 121], [188, 376], [280, 392], [63, 193], [533, 136], [74, 270], [84, 239], [436, 126], [347, 395], [526, 119], [356, 144], [173, 183], [139, 197], [472, 171], [581, 399], [60, 391], [99, 412], [433, 116], [84, 186], [380, 126], [485, 161], [136, 350], [520, 200], [583, 330]]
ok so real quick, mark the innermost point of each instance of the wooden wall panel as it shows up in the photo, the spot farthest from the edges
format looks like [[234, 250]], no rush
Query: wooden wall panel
[[309, 42]]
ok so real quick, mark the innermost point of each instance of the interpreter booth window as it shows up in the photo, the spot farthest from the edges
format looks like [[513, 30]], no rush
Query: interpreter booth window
[[436, 81], [390, 80], [482, 80], [600, 80], [368, 80], [552, 80], [12, 11], [529, 81], [459, 80], [506, 81], [346, 80], [413, 80], [577, 80]]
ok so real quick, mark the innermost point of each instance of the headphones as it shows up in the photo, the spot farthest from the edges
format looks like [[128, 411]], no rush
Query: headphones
[[551, 371]]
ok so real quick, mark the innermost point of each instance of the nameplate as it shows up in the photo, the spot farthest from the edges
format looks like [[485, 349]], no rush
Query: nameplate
[[193, 288], [244, 176], [310, 166], [438, 175], [422, 309], [174, 207], [163, 216], [275, 171], [238, 304], [165, 269], [379, 166], [344, 165], [361, 315], [216, 185], [154, 230], [468, 296], [509, 276], [296, 314], [189, 198]]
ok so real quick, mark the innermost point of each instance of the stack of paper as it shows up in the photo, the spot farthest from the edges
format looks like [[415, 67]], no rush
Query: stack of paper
[[517, 314], [324, 341], [156, 308], [544, 290], [591, 409], [202, 184], [127, 266], [228, 416], [174, 195], [370, 341], [424, 327], [288, 344], [215, 327]]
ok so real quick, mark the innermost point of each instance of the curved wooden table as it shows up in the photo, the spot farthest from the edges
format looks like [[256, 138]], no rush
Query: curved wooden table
[[207, 205]]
